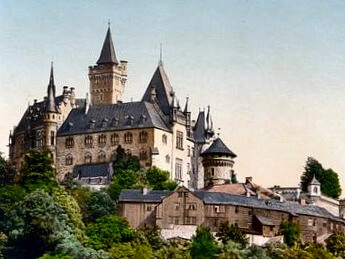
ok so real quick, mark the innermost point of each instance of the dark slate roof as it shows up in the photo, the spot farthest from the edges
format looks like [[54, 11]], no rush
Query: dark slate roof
[[33, 115], [199, 133], [116, 117], [93, 170], [265, 221], [218, 148], [163, 89], [294, 208], [108, 55], [134, 195]]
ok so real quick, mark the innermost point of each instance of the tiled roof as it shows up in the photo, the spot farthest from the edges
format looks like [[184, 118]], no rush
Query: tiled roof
[[134, 195], [199, 133], [233, 188], [93, 170], [164, 90], [218, 147], [137, 195], [118, 116]]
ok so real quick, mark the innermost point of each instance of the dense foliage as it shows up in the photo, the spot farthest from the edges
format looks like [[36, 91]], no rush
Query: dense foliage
[[228, 233], [203, 244], [291, 232], [330, 185]]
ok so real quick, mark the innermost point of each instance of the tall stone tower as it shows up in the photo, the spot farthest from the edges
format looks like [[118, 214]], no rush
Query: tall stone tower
[[50, 117], [217, 161], [108, 77]]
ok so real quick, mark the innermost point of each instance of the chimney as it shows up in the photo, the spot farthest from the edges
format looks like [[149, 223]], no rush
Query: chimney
[[145, 191]]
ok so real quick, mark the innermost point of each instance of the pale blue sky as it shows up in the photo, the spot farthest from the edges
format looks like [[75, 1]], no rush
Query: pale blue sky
[[272, 71]]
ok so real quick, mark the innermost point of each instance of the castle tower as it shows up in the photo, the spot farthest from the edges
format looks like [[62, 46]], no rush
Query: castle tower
[[314, 187], [50, 117], [108, 77], [217, 161]]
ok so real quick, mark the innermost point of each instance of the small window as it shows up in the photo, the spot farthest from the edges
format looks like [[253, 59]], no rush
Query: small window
[[143, 137], [102, 139], [128, 138], [236, 209], [180, 194], [164, 139], [143, 155], [167, 159], [114, 139], [69, 142], [88, 141], [176, 221], [101, 157], [69, 160], [176, 206], [88, 158], [148, 208], [179, 139]]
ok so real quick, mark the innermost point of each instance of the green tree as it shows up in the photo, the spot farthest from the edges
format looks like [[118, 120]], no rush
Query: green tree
[[107, 231], [124, 179], [317, 251], [159, 179], [329, 180], [7, 172], [153, 236], [203, 244], [37, 171], [335, 243], [226, 233], [291, 232], [36, 222]]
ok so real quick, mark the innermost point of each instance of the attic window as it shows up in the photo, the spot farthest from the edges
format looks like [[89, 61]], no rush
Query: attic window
[[142, 119], [70, 125], [104, 123], [92, 124], [129, 120], [115, 122]]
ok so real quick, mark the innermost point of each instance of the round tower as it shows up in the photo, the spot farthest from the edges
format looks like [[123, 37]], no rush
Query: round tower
[[217, 161]]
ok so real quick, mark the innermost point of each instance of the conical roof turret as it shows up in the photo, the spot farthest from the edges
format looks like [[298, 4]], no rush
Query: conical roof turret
[[50, 102], [108, 55]]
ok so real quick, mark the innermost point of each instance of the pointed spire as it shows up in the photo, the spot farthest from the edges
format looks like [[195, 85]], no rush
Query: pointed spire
[[314, 181], [160, 63], [174, 102], [186, 107], [50, 104], [108, 55]]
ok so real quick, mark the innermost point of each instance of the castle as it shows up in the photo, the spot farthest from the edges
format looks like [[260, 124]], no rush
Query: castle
[[83, 134]]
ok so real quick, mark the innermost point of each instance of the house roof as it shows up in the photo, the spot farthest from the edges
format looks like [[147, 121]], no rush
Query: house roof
[[314, 181], [164, 91], [265, 221], [118, 116], [199, 133], [218, 148], [233, 188], [210, 198], [108, 55], [93, 170]]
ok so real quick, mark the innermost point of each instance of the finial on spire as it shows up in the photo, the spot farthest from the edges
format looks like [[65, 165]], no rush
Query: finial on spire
[[109, 23], [160, 53], [218, 133]]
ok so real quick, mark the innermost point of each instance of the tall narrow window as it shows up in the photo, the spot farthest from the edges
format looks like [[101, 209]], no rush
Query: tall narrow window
[[69, 142], [179, 139], [88, 158], [101, 157], [88, 141], [102, 139], [178, 169], [143, 155], [52, 138], [115, 140], [164, 139]]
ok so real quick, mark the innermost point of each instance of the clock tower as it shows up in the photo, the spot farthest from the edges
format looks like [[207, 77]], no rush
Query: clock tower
[[108, 77]]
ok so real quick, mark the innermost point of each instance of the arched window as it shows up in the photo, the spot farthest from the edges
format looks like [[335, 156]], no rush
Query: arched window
[[113, 155], [128, 138], [143, 155], [101, 157], [143, 137], [128, 154], [114, 139], [167, 159], [88, 158], [102, 139], [316, 190], [164, 139], [69, 159], [88, 141]]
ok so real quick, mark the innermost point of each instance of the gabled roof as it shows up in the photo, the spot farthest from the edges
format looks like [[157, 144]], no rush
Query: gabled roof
[[314, 181], [163, 89], [108, 55], [218, 148], [134, 195], [93, 170], [119, 116]]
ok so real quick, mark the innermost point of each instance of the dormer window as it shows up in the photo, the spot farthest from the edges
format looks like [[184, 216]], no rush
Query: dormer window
[[92, 124], [142, 119], [115, 122], [129, 120], [104, 123]]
